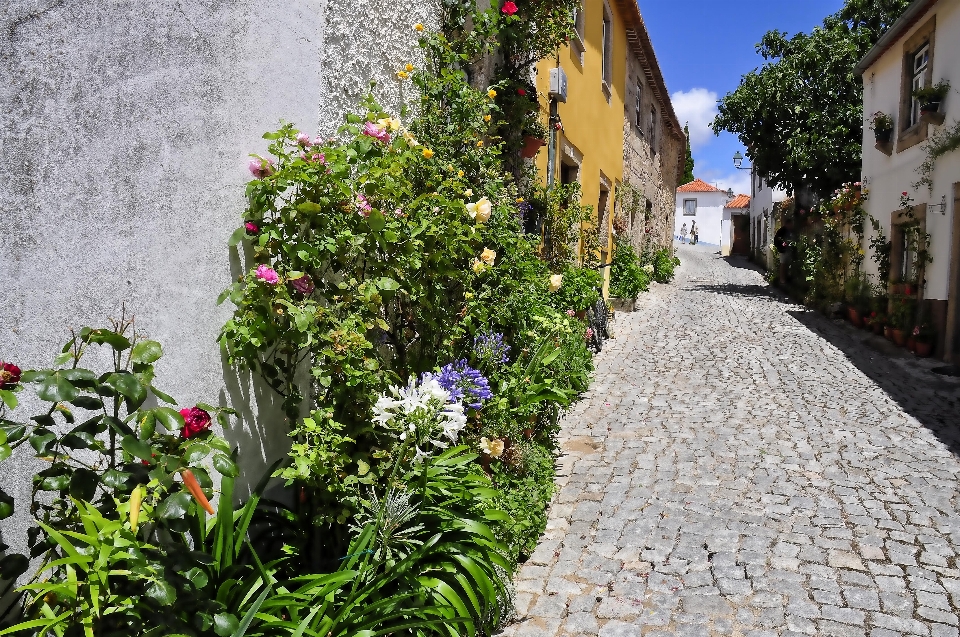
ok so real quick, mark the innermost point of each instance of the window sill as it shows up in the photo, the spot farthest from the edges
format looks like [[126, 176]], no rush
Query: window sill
[[576, 45], [912, 136], [607, 93]]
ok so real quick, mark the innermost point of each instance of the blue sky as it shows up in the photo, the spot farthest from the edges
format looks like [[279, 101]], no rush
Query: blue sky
[[704, 47]]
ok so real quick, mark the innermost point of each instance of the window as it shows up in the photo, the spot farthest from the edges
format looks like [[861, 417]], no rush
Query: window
[[653, 129], [921, 62], [639, 105], [607, 60], [576, 42], [689, 207]]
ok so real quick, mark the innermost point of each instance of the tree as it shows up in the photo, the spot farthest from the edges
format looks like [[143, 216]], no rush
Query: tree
[[688, 167], [800, 115]]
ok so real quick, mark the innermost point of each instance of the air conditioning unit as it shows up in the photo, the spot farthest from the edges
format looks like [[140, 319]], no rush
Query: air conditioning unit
[[558, 84]]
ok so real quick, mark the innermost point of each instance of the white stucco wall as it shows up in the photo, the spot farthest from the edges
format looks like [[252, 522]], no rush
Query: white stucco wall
[[761, 216], [124, 134], [886, 177], [709, 216]]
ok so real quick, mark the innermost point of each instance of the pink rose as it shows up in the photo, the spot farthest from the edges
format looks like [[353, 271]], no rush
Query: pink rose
[[317, 140], [303, 139], [377, 132], [195, 420], [509, 7], [571, 313], [303, 285], [251, 227], [261, 168], [267, 274], [363, 206], [588, 334]]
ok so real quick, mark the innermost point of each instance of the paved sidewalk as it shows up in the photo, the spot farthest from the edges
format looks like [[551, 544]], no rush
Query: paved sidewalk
[[745, 467]]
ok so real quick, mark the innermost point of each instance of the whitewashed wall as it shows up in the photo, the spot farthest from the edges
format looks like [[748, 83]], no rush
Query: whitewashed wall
[[124, 136], [886, 177], [709, 216]]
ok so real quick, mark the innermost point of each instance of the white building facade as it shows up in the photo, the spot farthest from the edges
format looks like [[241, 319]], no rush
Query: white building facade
[[762, 222], [919, 50], [699, 202]]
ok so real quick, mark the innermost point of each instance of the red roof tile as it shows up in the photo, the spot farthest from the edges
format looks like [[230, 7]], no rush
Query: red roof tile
[[698, 185], [740, 201]]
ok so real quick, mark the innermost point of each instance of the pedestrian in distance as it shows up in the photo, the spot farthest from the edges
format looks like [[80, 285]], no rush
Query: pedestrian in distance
[[783, 241], [694, 233], [683, 233]]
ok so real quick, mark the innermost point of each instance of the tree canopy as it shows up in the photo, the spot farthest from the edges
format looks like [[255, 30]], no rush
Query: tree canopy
[[800, 115], [688, 166]]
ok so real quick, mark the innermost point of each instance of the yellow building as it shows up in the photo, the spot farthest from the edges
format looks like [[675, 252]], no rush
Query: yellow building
[[601, 110]]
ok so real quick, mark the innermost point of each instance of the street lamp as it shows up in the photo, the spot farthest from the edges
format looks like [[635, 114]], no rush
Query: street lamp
[[738, 162]]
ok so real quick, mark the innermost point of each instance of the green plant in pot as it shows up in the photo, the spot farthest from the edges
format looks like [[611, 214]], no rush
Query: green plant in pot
[[628, 278], [931, 96], [882, 126]]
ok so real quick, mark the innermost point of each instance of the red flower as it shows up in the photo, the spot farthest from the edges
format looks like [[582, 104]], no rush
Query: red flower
[[195, 421], [521, 92], [904, 193], [9, 375], [251, 227], [509, 8]]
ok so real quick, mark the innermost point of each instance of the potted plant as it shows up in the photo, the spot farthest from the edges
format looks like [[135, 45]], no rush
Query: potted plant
[[924, 338], [931, 96], [882, 126], [901, 318]]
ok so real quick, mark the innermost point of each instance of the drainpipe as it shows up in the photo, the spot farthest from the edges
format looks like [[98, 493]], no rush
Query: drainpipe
[[552, 142]]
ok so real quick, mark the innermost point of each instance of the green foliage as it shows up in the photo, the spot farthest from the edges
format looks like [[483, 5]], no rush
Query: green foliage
[[933, 93], [945, 140], [664, 265], [801, 114], [688, 163], [579, 291], [628, 278], [525, 480]]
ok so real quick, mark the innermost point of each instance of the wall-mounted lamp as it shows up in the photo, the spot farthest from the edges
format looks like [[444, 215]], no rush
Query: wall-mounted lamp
[[942, 206], [738, 162]]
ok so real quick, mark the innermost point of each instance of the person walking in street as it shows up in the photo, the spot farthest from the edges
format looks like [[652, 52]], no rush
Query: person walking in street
[[683, 233], [694, 233], [783, 241]]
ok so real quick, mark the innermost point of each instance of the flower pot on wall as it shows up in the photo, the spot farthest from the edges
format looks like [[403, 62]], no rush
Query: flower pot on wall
[[930, 107], [854, 317], [883, 136], [531, 146], [899, 337]]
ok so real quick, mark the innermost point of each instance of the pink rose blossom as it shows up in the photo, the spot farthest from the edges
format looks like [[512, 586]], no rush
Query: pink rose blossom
[[195, 420], [588, 334], [261, 168], [377, 132], [319, 158], [571, 313], [509, 7], [363, 206], [317, 140], [251, 227], [303, 139], [303, 285], [267, 274]]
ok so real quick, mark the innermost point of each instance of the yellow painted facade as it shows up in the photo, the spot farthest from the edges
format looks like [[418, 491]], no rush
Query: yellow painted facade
[[593, 114]]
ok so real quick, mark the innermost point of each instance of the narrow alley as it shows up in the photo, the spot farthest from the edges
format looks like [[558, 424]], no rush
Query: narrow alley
[[743, 466]]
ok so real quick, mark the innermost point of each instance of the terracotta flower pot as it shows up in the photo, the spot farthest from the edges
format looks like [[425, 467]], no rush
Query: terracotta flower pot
[[924, 349], [854, 317], [531, 146], [899, 337], [878, 328], [582, 315], [887, 333], [912, 343]]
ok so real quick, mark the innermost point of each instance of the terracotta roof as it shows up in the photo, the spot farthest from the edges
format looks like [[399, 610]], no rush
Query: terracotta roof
[[698, 185], [740, 201]]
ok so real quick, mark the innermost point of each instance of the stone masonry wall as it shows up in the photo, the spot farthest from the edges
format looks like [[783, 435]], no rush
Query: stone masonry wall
[[651, 170]]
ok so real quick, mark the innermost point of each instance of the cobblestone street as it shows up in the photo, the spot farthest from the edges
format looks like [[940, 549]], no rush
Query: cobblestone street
[[743, 466]]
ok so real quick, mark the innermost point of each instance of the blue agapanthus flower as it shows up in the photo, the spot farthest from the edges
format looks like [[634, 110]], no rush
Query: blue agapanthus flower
[[490, 348], [464, 383]]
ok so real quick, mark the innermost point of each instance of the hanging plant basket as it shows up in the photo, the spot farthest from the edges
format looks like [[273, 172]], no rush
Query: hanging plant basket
[[883, 136], [531, 146]]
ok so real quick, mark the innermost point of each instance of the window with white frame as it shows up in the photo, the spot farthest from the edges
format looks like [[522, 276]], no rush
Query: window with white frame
[[921, 61], [689, 207]]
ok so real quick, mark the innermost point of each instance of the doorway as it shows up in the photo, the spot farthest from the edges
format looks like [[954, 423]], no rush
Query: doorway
[[741, 235]]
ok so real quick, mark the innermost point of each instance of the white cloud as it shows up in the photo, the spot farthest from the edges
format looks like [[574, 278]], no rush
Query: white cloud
[[738, 181], [698, 107]]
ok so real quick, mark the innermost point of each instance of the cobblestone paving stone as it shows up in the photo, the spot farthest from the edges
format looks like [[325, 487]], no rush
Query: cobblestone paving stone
[[745, 467]]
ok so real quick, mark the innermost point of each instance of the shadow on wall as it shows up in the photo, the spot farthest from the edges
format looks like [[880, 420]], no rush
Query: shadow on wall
[[931, 399]]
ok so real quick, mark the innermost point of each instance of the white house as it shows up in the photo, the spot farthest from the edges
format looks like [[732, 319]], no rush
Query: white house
[[736, 227], [920, 50], [699, 202], [762, 222]]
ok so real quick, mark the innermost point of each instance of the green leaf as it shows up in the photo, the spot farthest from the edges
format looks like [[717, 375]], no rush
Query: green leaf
[[128, 386], [226, 466], [162, 396], [41, 440], [136, 447], [13, 566], [6, 505], [83, 485], [146, 352], [376, 221], [175, 506], [196, 452], [88, 402], [237, 236], [114, 340], [115, 479], [309, 208], [162, 592], [386, 283], [9, 398], [171, 419], [56, 388], [224, 624]]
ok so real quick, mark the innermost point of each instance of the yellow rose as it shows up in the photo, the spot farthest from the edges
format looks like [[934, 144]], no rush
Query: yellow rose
[[468, 192], [492, 93], [389, 122], [427, 153], [460, 173], [492, 448], [411, 140], [487, 118], [488, 256], [519, 199], [418, 26], [555, 282], [479, 266], [468, 295], [480, 144], [480, 211]]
